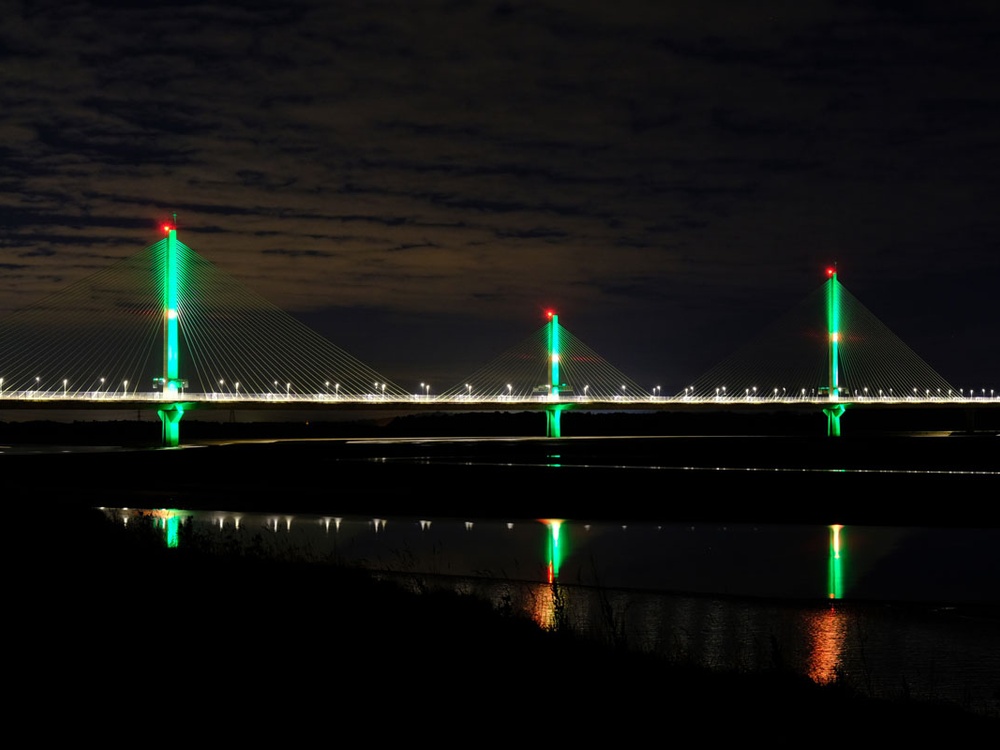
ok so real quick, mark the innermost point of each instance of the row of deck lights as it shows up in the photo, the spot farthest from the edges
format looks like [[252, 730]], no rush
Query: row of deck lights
[[689, 392], [65, 386], [750, 393]]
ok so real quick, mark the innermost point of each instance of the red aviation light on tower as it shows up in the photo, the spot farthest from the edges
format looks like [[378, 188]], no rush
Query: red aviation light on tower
[[167, 228], [549, 314], [830, 271]]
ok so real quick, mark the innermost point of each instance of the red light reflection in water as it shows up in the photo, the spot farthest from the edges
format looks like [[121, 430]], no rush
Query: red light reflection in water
[[543, 610], [555, 553], [827, 632]]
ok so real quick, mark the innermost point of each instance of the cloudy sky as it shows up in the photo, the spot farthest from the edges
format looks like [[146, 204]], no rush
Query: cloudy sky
[[420, 179]]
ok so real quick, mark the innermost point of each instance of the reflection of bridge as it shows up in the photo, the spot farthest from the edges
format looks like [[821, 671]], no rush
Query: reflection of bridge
[[106, 334]]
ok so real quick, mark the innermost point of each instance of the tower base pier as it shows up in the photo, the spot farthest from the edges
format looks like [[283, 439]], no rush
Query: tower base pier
[[833, 415], [170, 417], [553, 420]]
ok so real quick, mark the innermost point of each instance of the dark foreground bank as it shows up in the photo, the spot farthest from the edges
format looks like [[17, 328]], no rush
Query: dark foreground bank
[[113, 635]]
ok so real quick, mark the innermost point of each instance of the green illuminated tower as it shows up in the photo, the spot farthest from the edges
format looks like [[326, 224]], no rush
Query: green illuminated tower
[[555, 553], [171, 526], [553, 411], [836, 409], [835, 576], [171, 413]]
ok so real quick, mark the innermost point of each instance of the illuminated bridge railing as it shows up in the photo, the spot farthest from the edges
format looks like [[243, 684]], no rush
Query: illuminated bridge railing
[[292, 399]]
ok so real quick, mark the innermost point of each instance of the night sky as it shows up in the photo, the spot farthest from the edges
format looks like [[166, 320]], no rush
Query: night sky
[[419, 180]]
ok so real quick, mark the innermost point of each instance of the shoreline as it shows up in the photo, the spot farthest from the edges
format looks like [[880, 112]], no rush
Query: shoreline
[[217, 623]]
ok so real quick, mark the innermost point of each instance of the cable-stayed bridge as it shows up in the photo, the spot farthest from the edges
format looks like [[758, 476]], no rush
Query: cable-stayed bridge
[[165, 329]]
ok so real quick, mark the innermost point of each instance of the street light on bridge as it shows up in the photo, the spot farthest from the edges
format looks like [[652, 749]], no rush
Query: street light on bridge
[[65, 381], [288, 390], [125, 388], [237, 389]]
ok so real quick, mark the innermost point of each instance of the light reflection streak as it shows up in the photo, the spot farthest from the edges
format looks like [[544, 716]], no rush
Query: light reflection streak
[[827, 632], [555, 554], [835, 582], [544, 607]]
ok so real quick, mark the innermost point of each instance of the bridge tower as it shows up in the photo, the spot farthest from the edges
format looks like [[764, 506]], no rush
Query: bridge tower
[[171, 412], [836, 409], [553, 411]]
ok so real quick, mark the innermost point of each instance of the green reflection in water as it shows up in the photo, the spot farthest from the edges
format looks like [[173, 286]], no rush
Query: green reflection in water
[[835, 583], [555, 549]]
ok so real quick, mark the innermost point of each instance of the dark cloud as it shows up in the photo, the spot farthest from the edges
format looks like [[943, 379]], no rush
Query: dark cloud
[[693, 165]]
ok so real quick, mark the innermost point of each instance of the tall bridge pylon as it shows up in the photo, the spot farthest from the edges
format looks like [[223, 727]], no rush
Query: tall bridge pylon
[[836, 408], [553, 411], [829, 349], [553, 368], [164, 328], [170, 413]]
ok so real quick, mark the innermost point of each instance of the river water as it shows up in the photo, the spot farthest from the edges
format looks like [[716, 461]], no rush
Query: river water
[[895, 611]]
